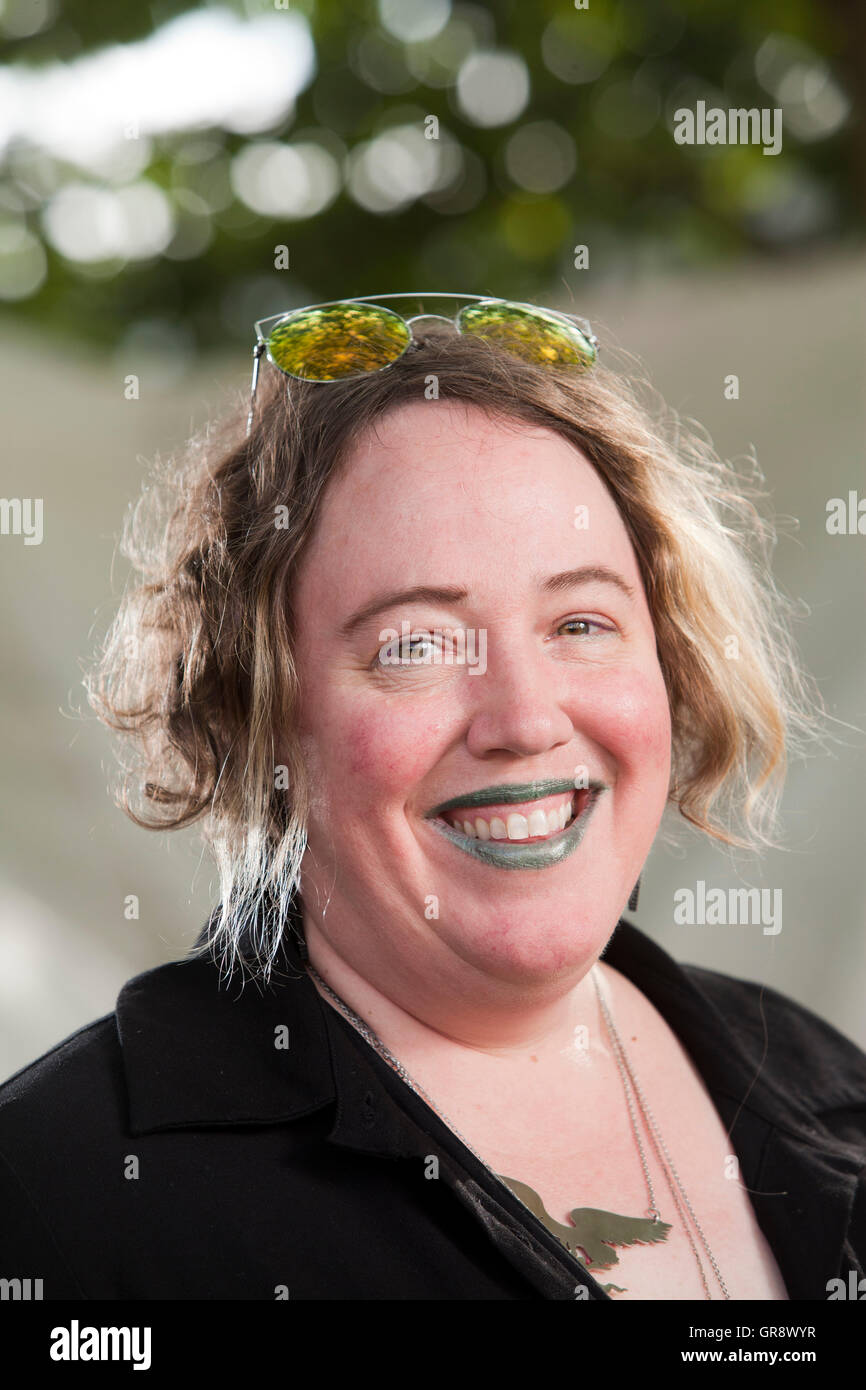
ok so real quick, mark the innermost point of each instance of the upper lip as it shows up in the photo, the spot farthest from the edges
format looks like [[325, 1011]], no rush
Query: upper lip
[[508, 792]]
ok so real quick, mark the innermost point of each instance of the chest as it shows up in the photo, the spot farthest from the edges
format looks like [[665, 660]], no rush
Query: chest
[[584, 1166], [586, 1182], [599, 1211]]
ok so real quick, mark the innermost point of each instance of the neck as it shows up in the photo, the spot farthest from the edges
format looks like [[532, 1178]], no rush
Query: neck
[[557, 1025]]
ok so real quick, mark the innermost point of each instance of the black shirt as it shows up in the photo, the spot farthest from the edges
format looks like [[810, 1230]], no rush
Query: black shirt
[[207, 1141]]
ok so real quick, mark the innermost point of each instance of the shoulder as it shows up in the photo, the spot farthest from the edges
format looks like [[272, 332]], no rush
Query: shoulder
[[86, 1069], [83, 1068], [71, 1099], [81, 1085], [756, 1009], [747, 1038], [796, 1043], [184, 1047], [76, 1095], [60, 1117]]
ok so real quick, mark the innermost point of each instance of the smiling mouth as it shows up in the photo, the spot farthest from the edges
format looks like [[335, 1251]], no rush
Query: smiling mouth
[[528, 823], [531, 835]]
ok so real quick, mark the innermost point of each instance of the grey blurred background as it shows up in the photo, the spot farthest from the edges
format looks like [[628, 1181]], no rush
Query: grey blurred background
[[703, 262]]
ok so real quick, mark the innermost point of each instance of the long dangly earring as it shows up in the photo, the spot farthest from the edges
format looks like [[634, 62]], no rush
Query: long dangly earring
[[632, 902]]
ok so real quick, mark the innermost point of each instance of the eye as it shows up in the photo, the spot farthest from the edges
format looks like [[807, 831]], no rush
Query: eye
[[404, 651], [586, 622]]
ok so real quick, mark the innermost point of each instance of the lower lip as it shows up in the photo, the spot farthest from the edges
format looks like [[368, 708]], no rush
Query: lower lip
[[540, 854]]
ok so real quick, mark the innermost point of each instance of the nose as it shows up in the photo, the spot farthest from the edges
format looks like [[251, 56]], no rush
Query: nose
[[518, 704]]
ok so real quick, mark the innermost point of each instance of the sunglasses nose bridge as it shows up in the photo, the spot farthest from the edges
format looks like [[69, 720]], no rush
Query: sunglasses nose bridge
[[430, 318]]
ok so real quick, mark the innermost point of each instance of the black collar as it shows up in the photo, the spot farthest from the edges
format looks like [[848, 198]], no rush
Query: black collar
[[200, 1050]]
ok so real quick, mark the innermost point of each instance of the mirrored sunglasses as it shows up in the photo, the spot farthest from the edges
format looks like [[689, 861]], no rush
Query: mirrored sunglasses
[[349, 338]]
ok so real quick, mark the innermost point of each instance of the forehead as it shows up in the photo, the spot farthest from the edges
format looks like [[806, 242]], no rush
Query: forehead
[[441, 484]]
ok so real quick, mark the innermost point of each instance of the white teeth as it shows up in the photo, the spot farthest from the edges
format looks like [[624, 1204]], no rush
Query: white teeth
[[518, 827]]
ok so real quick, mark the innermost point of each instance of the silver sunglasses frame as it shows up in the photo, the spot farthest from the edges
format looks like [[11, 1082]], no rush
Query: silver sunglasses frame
[[260, 349]]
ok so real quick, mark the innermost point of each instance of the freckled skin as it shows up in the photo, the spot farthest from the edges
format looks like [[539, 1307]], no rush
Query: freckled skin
[[441, 494]]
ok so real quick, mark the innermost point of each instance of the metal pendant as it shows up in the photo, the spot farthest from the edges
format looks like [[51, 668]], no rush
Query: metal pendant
[[593, 1232]]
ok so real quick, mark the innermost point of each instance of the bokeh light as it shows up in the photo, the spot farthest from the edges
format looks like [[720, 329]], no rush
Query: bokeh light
[[21, 19], [85, 111], [493, 88], [785, 204], [380, 62], [393, 169], [23, 263], [463, 183], [577, 48], [294, 180], [437, 62], [85, 223], [626, 109], [414, 20], [813, 102], [193, 229], [540, 157]]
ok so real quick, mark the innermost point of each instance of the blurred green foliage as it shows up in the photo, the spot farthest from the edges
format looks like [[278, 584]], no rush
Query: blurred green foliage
[[588, 159]]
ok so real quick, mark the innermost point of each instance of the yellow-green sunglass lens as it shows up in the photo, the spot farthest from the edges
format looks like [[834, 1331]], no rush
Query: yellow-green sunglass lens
[[528, 333], [341, 340]]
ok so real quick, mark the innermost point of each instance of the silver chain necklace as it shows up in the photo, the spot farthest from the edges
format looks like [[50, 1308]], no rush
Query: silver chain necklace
[[628, 1078]]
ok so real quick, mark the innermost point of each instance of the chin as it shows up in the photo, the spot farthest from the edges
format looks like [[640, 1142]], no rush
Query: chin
[[525, 948]]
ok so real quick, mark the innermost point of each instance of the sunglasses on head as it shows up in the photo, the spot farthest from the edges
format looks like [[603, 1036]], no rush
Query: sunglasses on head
[[352, 337]]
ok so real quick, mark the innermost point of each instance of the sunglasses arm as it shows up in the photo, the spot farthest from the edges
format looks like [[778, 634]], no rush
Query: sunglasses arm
[[258, 352]]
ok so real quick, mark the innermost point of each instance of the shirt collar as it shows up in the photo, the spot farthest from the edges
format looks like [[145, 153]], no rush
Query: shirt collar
[[738, 1055], [200, 1050]]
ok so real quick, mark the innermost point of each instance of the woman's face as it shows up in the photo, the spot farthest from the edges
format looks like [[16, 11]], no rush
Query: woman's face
[[549, 680]]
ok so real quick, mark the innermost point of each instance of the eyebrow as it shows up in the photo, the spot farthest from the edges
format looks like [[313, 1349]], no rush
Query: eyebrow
[[424, 593]]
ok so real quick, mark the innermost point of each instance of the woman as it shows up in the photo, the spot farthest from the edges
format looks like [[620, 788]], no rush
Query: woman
[[429, 649]]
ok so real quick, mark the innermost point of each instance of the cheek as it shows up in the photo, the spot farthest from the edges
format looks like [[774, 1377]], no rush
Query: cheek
[[384, 756], [634, 721]]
